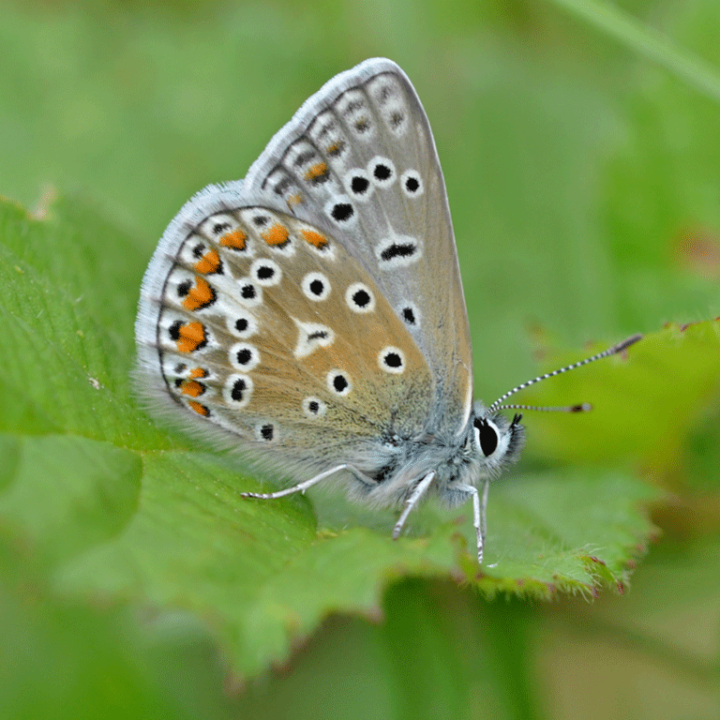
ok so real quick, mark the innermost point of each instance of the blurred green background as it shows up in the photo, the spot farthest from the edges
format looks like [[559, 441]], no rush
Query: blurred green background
[[581, 149]]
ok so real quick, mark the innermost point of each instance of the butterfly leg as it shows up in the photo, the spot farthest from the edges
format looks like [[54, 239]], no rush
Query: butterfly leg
[[303, 486], [479, 522], [412, 501]]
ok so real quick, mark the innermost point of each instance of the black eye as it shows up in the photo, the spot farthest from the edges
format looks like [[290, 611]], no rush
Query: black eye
[[487, 436]]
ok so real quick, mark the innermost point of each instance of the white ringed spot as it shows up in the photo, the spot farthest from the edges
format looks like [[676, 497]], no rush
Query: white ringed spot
[[358, 184], [338, 383], [315, 286], [244, 356], [313, 407], [398, 251], [266, 272], [341, 211], [392, 360], [249, 293], [238, 390], [410, 314], [360, 298], [412, 184], [242, 325], [382, 171], [266, 432]]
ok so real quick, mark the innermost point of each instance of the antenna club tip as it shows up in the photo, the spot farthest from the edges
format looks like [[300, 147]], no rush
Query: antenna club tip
[[582, 407], [628, 342]]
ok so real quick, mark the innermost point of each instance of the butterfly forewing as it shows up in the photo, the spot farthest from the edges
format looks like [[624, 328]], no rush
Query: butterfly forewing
[[359, 160]]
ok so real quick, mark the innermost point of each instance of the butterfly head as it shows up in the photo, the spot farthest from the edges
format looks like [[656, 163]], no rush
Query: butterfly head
[[495, 440], [498, 441]]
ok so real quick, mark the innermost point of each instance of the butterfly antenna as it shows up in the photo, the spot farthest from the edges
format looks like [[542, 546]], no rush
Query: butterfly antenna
[[583, 407]]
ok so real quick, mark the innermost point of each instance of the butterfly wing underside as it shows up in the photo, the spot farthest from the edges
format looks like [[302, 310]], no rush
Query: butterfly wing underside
[[359, 159], [313, 312], [264, 332]]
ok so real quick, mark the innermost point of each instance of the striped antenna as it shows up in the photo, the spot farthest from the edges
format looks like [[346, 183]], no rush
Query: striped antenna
[[584, 407]]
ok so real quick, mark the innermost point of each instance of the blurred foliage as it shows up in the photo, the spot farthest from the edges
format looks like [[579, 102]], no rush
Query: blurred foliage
[[135, 582], [114, 505]]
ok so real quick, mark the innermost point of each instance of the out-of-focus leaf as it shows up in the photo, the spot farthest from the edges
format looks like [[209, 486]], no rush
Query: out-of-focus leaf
[[167, 525]]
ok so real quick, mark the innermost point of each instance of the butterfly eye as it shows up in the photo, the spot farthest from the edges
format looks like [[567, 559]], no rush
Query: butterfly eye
[[486, 436]]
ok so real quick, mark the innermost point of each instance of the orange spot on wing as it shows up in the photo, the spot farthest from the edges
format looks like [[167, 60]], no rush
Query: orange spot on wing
[[200, 296], [335, 148], [192, 388], [316, 171], [192, 336], [276, 235], [198, 408], [198, 372], [235, 240], [295, 199], [209, 263], [314, 238]]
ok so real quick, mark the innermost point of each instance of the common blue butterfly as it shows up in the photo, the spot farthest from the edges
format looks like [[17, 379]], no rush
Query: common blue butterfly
[[311, 316]]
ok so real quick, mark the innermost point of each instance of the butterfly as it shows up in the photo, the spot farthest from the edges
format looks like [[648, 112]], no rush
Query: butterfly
[[311, 316]]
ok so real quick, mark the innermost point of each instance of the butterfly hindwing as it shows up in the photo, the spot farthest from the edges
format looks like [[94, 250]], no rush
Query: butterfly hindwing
[[266, 328]]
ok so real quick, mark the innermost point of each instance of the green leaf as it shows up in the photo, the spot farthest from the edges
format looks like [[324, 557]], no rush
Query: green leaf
[[645, 385], [577, 208], [65, 658], [474, 651], [120, 509]]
